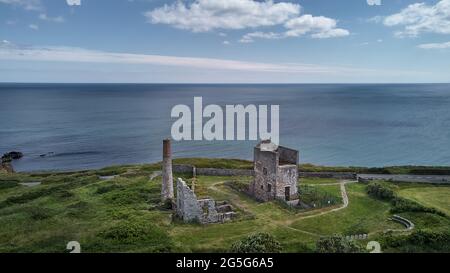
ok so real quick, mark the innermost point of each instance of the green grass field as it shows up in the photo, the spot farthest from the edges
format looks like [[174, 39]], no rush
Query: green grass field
[[435, 197], [124, 214]]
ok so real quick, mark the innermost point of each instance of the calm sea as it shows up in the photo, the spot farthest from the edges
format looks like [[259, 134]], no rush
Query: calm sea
[[85, 126]]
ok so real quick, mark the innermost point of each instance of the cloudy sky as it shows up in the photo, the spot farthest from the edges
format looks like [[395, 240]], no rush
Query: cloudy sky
[[225, 41]]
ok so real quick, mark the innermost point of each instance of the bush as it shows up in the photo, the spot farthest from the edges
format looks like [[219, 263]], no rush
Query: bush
[[403, 205], [150, 236], [257, 243], [399, 204], [337, 244], [380, 191], [419, 241], [8, 184]]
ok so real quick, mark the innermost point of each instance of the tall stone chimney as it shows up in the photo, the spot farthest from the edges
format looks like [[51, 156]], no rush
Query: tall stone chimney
[[167, 177]]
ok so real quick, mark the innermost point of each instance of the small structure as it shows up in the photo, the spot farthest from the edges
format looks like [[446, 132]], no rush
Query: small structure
[[276, 173], [204, 211], [167, 177]]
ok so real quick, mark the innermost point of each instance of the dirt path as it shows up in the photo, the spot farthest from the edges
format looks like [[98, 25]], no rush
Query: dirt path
[[286, 223], [344, 197]]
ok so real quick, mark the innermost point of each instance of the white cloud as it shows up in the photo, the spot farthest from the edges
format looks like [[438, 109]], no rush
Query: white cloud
[[26, 4], [207, 15], [10, 51], [435, 46], [318, 27], [226, 42], [249, 37], [33, 26], [45, 17], [421, 18]]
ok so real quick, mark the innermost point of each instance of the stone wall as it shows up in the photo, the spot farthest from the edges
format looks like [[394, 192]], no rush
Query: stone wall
[[204, 211], [186, 169], [189, 169], [224, 172], [192, 170], [336, 175], [187, 207]]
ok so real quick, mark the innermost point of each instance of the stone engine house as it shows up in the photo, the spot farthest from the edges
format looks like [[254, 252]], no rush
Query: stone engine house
[[276, 173]]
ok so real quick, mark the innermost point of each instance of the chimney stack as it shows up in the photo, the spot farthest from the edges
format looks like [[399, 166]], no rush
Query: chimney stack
[[167, 177]]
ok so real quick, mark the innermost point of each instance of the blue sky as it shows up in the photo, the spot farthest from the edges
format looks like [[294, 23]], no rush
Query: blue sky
[[225, 41]]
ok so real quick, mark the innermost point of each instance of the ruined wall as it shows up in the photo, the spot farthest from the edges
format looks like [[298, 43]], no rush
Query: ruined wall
[[188, 208], [183, 168], [204, 211]]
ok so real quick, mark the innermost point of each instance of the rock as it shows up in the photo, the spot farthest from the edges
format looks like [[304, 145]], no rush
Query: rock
[[5, 167], [8, 157]]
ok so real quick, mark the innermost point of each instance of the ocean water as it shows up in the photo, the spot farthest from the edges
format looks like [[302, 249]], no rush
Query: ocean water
[[86, 126]]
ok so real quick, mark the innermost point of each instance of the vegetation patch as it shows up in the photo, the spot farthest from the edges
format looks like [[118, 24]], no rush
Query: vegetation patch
[[418, 241], [257, 243], [316, 197], [139, 232], [399, 204], [8, 184], [337, 244], [39, 213]]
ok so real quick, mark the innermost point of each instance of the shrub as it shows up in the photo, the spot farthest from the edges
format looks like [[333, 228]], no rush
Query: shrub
[[380, 191], [337, 244], [399, 204], [257, 243], [8, 184], [150, 236], [419, 241], [403, 205]]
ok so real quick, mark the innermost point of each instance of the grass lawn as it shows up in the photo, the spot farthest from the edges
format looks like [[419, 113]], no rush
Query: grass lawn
[[125, 215], [435, 197]]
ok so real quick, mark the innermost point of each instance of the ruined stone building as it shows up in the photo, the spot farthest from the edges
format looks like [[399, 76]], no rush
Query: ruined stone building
[[167, 176], [276, 173], [204, 211]]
